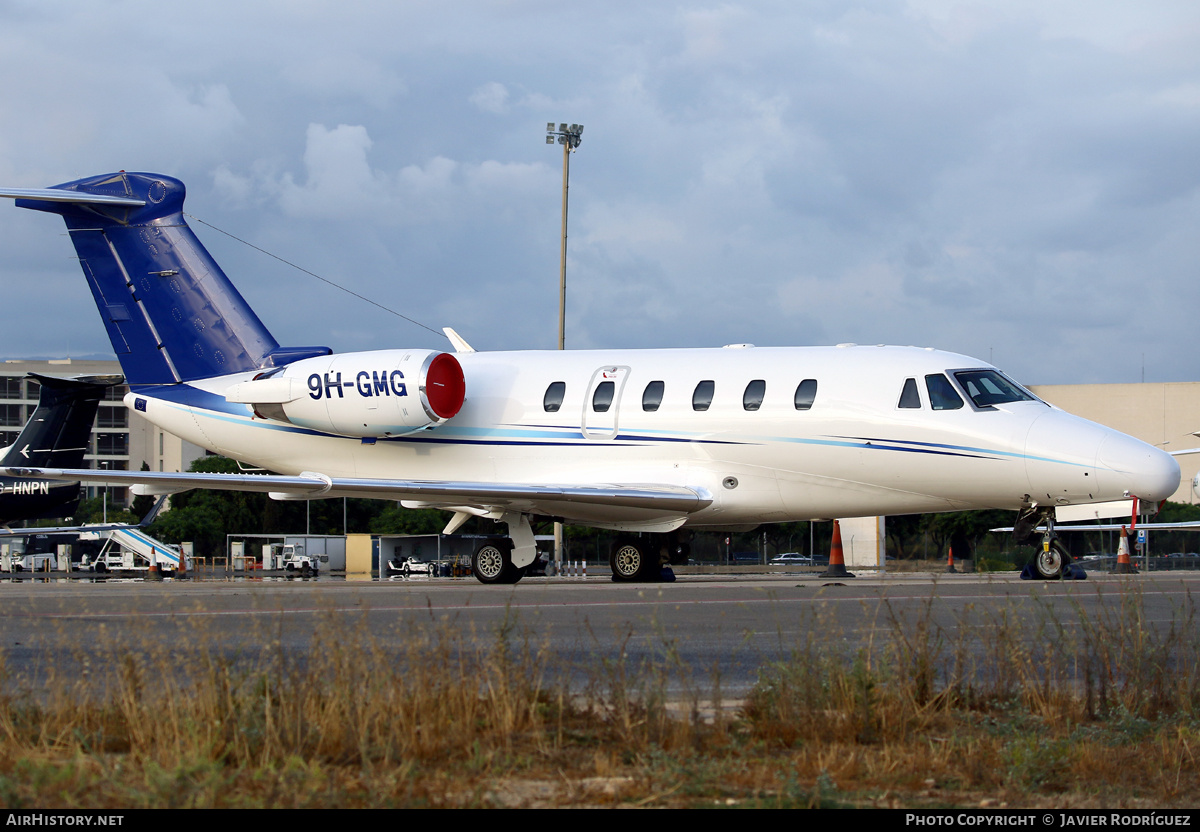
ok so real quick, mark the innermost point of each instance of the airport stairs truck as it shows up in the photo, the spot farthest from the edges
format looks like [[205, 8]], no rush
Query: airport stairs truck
[[132, 550]]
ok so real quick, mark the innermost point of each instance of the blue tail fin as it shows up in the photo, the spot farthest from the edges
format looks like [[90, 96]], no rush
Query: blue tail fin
[[171, 313]]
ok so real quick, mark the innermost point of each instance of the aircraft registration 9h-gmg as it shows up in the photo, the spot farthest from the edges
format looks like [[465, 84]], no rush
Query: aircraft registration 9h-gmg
[[631, 440]]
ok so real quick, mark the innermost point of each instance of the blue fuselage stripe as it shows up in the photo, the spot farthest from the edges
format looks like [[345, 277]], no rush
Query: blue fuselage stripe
[[215, 407]]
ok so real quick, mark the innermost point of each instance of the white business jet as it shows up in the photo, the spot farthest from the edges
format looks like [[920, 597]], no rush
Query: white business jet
[[631, 440]]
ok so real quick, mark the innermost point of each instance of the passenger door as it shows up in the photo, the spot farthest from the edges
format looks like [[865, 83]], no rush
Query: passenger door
[[602, 402]]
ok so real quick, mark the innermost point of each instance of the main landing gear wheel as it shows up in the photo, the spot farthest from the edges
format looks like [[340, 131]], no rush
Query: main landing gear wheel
[[633, 560], [492, 564]]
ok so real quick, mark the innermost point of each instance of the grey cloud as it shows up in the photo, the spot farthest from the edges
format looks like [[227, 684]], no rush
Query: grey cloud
[[980, 176]]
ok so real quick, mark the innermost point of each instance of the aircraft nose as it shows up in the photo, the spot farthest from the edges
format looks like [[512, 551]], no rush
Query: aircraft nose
[[1145, 471], [1060, 458]]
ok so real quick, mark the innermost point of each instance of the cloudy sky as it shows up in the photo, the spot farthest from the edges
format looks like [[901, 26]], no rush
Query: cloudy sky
[[1015, 180]]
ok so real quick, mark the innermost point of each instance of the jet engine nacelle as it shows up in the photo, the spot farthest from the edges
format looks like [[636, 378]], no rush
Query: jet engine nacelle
[[364, 394]]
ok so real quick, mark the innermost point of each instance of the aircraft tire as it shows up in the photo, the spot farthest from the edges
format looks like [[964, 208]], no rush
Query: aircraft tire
[[492, 564], [632, 560], [1050, 564]]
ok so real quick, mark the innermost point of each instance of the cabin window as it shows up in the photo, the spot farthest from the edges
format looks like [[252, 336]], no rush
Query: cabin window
[[553, 399], [112, 444], [752, 399], [702, 396], [602, 399], [112, 417], [942, 395], [652, 396], [910, 399], [989, 387], [806, 393]]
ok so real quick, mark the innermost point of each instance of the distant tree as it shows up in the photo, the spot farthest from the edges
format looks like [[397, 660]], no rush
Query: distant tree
[[930, 535], [395, 519], [205, 517], [93, 510], [903, 533]]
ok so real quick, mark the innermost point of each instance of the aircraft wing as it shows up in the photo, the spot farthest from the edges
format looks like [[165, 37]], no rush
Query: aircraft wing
[[5, 531], [664, 499], [1116, 527], [1185, 525]]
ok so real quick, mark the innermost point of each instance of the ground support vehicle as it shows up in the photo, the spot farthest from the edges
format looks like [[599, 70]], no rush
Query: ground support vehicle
[[290, 557], [132, 550]]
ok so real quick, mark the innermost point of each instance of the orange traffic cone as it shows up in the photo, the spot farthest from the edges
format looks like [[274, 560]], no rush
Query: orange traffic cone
[[1124, 565], [950, 564], [837, 559], [181, 570]]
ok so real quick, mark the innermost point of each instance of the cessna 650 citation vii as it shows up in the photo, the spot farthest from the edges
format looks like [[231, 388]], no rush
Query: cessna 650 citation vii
[[632, 440]]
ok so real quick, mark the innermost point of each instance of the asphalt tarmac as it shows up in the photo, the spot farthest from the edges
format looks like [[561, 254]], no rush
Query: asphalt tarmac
[[703, 631]]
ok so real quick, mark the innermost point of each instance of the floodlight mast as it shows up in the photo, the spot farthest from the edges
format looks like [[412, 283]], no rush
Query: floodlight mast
[[569, 136]]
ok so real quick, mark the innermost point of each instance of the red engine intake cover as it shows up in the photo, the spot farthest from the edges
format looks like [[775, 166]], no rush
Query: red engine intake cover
[[445, 387]]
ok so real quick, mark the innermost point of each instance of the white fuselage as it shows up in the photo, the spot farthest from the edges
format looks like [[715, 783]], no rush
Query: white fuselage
[[854, 452]]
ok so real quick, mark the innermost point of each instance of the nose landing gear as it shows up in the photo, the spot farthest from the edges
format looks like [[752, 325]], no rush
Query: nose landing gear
[[1053, 561]]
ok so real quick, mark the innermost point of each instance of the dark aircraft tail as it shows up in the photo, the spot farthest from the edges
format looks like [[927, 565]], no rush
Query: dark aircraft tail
[[56, 435], [171, 313]]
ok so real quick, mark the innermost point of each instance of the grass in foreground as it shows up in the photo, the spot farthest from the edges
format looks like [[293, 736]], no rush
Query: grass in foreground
[[1095, 711]]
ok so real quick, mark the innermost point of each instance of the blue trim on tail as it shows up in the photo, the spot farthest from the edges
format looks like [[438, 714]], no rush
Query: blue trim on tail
[[171, 313]]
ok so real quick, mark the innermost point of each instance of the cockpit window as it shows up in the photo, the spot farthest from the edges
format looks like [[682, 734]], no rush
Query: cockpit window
[[942, 395], [752, 399], [554, 396], [989, 387], [910, 399]]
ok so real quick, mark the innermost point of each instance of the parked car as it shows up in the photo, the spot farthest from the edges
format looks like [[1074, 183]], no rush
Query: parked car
[[414, 565], [793, 558]]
